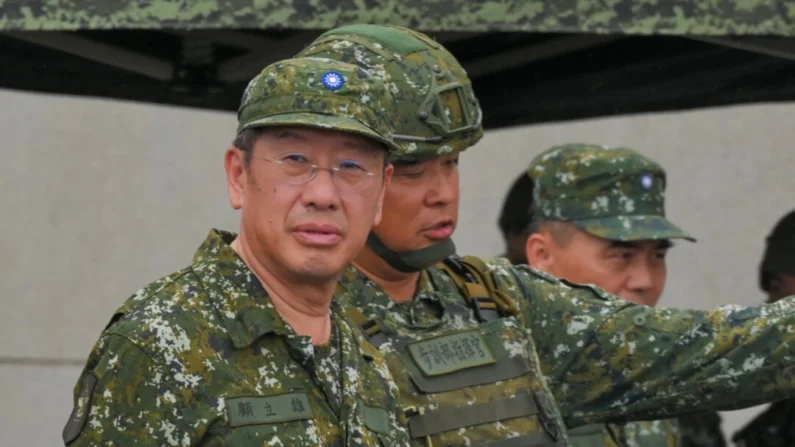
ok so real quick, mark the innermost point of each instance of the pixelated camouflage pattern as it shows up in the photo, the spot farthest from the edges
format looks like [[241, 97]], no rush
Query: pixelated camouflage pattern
[[702, 430], [179, 349], [416, 69], [439, 309], [661, 433], [611, 16], [593, 435], [773, 428], [610, 361], [294, 92], [612, 193]]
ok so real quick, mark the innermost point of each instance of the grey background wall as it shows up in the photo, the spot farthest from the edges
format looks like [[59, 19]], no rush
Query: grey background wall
[[99, 198]]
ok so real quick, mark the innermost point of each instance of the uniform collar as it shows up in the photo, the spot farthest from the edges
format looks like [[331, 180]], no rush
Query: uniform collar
[[242, 302]]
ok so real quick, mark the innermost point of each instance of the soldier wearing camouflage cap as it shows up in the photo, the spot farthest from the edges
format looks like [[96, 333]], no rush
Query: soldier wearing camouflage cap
[[552, 344], [599, 218], [244, 346], [775, 426]]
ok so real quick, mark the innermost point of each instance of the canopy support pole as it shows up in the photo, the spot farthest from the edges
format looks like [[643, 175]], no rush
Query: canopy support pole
[[69, 42], [781, 47]]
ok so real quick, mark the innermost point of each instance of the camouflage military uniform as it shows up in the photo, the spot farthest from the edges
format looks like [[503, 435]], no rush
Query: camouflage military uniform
[[468, 383], [605, 359], [617, 194], [201, 357], [662, 433], [493, 380], [602, 359]]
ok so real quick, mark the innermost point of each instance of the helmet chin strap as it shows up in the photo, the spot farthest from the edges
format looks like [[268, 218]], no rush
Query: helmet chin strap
[[411, 261]]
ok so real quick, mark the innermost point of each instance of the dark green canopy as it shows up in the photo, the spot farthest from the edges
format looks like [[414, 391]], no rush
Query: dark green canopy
[[677, 17], [530, 60]]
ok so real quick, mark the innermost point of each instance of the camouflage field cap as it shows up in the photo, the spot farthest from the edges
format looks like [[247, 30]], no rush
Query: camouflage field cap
[[779, 257], [612, 193], [321, 93], [437, 111]]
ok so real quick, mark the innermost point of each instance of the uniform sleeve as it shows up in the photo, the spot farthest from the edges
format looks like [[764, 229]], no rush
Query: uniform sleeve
[[608, 360], [123, 398]]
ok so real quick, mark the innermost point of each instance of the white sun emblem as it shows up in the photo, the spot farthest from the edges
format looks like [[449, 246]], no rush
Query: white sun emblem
[[333, 80], [647, 181]]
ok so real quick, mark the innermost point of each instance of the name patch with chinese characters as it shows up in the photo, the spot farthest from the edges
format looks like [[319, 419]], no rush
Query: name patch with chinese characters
[[449, 353], [251, 410]]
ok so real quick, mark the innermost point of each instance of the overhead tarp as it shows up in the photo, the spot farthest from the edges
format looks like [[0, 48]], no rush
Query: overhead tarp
[[672, 17], [530, 61]]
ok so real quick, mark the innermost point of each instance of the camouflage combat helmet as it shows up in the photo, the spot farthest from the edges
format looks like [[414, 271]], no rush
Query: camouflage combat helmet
[[779, 257], [321, 93], [437, 112], [612, 193]]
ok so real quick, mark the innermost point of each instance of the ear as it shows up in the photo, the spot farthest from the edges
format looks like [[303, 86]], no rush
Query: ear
[[538, 250], [384, 185], [236, 176], [775, 285]]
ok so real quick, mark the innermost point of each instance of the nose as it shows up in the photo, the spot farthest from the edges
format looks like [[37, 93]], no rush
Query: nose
[[444, 187], [642, 285], [321, 191]]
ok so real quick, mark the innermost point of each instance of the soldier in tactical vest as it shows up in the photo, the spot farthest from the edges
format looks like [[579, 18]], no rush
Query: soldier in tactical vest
[[244, 347], [776, 426], [586, 227], [485, 353]]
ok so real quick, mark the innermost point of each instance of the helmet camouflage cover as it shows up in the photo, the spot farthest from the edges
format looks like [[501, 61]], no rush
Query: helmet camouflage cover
[[436, 109]]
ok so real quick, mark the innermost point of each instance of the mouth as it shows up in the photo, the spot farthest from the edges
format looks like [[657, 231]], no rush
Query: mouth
[[440, 231], [315, 235]]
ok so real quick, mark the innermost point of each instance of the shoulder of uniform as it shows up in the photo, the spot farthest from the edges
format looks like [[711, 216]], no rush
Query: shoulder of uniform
[[546, 280], [535, 273], [162, 312], [490, 262], [485, 265]]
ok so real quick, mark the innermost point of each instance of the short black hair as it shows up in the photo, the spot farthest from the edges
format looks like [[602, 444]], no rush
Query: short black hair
[[515, 214], [245, 141]]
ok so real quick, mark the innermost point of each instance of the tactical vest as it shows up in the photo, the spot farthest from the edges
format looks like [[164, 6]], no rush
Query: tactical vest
[[472, 277], [464, 383]]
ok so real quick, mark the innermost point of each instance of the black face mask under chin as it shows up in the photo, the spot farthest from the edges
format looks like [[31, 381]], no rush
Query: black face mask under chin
[[411, 261]]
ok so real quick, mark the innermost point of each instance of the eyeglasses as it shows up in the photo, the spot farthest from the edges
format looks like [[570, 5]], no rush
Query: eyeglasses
[[349, 174]]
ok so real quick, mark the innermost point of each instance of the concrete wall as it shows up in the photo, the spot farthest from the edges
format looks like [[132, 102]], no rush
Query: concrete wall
[[99, 198]]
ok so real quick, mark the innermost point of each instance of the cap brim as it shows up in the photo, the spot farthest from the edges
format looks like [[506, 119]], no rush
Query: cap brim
[[320, 121], [632, 228]]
